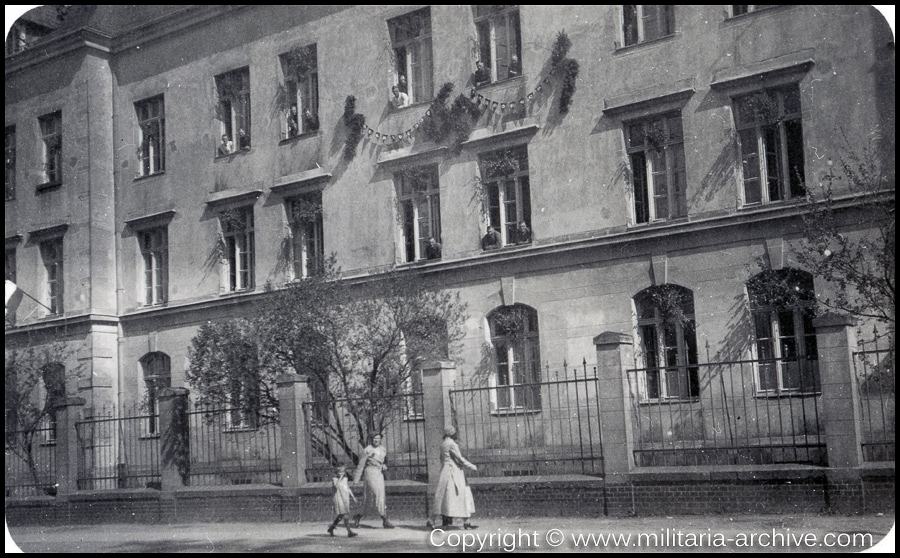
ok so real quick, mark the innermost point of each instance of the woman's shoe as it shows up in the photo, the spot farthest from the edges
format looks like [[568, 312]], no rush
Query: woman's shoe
[[356, 519], [468, 525], [386, 524], [350, 533], [331, 530]]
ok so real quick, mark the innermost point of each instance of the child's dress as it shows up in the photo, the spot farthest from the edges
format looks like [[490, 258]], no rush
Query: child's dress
[[341, 497]]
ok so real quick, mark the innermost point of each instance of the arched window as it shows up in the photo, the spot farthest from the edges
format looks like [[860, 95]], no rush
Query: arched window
[[53, 377], [516, 341], [782, 306], [667, 332], [157, 375]]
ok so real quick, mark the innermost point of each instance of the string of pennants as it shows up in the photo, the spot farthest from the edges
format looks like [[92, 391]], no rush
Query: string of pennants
[[372, 135]]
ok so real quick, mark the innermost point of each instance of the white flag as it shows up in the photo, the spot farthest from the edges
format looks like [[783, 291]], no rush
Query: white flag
[[13, 297]]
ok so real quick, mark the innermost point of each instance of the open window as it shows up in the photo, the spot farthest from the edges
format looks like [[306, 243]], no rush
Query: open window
[[419, 199], [239, 246], [499, 40], [646, 23], [233, 110], [301, 91], [507, 194], [516, 341], [655, 149], [151, 135], [412, 53], [156, 367], [307, 235]]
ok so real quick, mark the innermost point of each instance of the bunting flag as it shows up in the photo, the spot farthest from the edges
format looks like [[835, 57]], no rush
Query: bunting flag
[[478, 99]]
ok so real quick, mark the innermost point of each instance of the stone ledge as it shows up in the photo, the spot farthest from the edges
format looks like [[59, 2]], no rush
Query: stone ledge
[[727, 473], [118, 494]]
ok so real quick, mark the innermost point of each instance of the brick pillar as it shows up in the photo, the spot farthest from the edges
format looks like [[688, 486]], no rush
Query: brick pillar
[[293, 390], [836, 341], [68, 411], [438, 378], [174, 429], [615, 353]]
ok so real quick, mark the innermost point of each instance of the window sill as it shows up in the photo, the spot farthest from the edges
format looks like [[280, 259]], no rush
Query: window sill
[[227, 294], [658, 223], [239, 429], [149, 436], [155, 305], [414, 418], [149, 176], [785, 394], [513, 411], [742, 17], [299, 137], [396, 110], [230, 155], [630, 48], [669, 401], [498, 83], [766, 205], [419, 262], [47, 186]]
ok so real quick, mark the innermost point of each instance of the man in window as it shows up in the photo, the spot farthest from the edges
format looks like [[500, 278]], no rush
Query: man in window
[[398, 98], [481, 76], [433, 249], [226, 147], [523, 233], [515, 67], [293, 127], [402, 85], [491, 239], [310, 121], [243, 140]]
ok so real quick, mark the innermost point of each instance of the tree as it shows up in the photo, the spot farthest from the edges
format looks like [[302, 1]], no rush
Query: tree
[[358, 344], [35, 385]]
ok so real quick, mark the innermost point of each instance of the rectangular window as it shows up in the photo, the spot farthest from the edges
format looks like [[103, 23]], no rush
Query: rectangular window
[[244, 404], [151, 136], [51, 134], [656, 152], [237, 230], [307, 246], [770, 136], [646, 23], [233, 110], [506, 186], [499, 40], [155, 253], [412, 387], [10, 257], [420, 208], [10, 163], [411, 44], [52, 256], [301, 90], [787, 350]]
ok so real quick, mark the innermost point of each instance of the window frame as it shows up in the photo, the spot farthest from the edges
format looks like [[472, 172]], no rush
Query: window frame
[[802, 335], [657, 356], [151, 156], [156, 369], [239, 263], [414, 405], [412, 203], [522, 361], [784, 161], [422, 44], [675, 172], [497, 198], [640, 32], [48, 394], [51, 141], [492, 20], [307, 236], [154, 247], [244, 405], [52, 258], [10, 153], [227, 102], [293, 79], [749, 9]]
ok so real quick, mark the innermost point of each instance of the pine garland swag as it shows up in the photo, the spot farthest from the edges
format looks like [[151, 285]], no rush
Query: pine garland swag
[[570, 74]]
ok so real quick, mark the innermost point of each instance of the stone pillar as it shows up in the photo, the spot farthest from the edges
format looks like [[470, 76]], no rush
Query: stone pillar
[[68, 411], [174, 452], [840, 410], [293, 390], [615, 353], [438, 378]]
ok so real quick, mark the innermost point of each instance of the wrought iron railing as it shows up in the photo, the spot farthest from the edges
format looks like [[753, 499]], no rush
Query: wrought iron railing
[[116, 451], [31, 462], [875, 370]]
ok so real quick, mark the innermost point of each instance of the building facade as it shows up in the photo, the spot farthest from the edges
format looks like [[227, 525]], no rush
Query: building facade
[[163, 166]]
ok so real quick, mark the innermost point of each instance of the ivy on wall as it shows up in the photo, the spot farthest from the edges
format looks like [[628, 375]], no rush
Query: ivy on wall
[[568, 67], [453, 123]]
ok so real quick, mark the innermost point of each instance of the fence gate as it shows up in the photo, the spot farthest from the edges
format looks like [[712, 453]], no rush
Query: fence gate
[[545, 428], [875, 374]]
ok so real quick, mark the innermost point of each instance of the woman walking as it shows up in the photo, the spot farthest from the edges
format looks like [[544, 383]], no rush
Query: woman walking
[[372, 467], [450, 499]]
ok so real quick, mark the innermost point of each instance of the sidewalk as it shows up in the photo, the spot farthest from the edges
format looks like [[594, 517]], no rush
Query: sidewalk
[[800, 533]]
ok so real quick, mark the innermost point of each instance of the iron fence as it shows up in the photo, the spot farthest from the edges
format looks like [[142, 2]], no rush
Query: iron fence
[[230, 446], [875, 370], [738, 412], [116, 451], [541, 428], [337, 431], [31, 462]]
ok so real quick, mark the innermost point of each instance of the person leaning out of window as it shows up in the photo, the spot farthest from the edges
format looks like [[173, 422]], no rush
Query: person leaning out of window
[[523, 233], [399, 99], [482, 75], [433, 249], [491, 239]]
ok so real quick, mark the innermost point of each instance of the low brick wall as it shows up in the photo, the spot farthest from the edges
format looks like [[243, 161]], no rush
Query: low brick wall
[[650, 491]]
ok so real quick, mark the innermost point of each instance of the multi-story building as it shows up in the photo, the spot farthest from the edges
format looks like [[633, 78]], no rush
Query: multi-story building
[[164, 164]]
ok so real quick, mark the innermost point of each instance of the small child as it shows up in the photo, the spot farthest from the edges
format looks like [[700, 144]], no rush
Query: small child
[[341, 499]]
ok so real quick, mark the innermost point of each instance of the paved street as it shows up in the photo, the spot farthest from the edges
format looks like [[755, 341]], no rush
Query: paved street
[[686, 533]]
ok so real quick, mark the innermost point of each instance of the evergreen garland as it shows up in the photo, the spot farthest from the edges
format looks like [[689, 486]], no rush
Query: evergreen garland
[[560, 48], [454, 122], [354, 123], [569, 68]]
